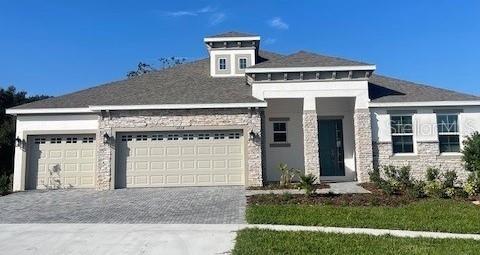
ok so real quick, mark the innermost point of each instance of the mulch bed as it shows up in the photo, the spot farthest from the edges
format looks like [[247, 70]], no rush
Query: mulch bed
[[276, 186], [376, 198]]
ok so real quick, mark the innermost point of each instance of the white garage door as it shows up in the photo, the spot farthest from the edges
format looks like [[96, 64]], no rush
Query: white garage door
[[197, 158], [61, 161]]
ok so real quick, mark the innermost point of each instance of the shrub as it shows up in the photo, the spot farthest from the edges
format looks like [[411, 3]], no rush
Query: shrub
[[286, 175], [5, 184], [471, 153], [307, 183], [375, 177], [432, 174], [417, 189], [434, 189], [449, 179], [472, 185]]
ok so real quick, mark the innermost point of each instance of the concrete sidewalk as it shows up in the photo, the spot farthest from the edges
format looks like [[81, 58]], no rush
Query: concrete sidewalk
[[92, 239]]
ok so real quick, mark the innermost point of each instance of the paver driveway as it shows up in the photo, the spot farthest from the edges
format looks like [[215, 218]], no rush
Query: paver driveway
[[192, 205]]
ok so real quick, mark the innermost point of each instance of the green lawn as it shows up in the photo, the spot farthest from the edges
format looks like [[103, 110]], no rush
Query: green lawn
[[427, 215], [254, 241]]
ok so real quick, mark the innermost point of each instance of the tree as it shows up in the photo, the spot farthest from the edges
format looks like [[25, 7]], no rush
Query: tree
[[143, 68], [10, 97], [471, 153]]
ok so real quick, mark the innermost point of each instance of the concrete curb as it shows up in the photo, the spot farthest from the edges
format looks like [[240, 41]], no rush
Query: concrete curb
[[368, 231]]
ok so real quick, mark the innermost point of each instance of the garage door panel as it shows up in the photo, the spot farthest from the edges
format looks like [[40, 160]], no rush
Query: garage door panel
[[69, 159], [187, 158]]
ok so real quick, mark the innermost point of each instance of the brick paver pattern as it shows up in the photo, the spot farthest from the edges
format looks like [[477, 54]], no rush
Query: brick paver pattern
[[189, 205]]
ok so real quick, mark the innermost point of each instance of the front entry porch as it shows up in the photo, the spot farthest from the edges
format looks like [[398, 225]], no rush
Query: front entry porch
[[314, 135]]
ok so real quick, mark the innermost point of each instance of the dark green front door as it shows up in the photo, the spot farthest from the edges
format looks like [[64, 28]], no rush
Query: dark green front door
[[330, 144]]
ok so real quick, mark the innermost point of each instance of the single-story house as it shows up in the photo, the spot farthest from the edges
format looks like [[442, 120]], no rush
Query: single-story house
[[232, 118]]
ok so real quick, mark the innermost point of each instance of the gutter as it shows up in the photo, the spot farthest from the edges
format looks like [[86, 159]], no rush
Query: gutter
[[423, 104], [98, 108]]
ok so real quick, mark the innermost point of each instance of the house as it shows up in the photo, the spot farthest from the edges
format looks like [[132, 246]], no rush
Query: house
[[232, 118]]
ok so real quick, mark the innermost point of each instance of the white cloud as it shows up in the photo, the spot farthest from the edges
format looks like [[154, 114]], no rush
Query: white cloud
[[269, 41], [217, 18], [181, 13], [278, 23]]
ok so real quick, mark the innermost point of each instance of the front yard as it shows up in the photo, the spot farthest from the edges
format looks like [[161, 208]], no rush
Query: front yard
[[375, 210], [255, 241]]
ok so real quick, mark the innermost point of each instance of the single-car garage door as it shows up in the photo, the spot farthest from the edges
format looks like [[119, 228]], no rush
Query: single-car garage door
[[61, 161], [194, 158]]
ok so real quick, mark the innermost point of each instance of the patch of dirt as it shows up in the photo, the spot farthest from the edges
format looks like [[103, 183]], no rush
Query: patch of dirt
[[376, 198], [276, 186]]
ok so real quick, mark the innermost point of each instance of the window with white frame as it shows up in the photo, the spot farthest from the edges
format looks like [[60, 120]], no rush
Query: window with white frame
[[448, 134], [402, 133], [222, 64], [242, 63], [279, 132]]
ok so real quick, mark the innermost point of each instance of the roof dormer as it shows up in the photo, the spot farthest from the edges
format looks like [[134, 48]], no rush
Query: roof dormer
[[231, 53]]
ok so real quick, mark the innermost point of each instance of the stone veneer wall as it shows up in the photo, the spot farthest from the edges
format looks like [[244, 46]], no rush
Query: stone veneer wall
[[363, 143], [428, 155], [139, 120], [310, 141]]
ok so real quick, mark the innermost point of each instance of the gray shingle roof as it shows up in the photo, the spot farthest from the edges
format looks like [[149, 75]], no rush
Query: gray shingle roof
[[232, 34], [384, 89], [307, 59], [189, 83]]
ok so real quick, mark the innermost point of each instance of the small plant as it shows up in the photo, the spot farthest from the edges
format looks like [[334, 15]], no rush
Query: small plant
[[5, 184], [472, 186], [307, 183], [286, 175], [375, 177], [432, 174], [434, 189], [417, 189], [449, 179]]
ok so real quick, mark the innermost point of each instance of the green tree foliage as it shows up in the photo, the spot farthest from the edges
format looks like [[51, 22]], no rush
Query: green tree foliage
[[10, 97], [471, 153], [143, 68]]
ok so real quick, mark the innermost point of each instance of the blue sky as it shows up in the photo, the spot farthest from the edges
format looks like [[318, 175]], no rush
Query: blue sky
[[56, 47]]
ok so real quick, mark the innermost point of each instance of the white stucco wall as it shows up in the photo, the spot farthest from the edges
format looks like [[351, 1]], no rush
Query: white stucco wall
[[293, 155], [424, 120], [232, 53], [47, 124]]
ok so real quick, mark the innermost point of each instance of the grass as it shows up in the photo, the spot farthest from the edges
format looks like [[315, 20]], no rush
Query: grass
[[426, 215], [255, 241]]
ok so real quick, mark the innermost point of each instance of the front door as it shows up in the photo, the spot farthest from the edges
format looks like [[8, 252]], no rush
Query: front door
[[330, 144]]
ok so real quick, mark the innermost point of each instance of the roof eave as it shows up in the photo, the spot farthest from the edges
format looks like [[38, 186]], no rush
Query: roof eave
[[232, 39], [424, 104], [97, 108], [310, 69]]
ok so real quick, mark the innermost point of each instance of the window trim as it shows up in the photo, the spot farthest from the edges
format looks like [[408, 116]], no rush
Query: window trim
[[412, 134], [457, 133], [220, 64], [279, 132]]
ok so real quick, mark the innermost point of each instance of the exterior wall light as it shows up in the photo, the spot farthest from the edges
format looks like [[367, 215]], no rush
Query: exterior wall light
[[252, 135], [19, 142], [106, 138]]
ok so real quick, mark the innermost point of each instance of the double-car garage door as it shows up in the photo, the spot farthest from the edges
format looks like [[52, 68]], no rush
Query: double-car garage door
[[186, 158], [142, 159]]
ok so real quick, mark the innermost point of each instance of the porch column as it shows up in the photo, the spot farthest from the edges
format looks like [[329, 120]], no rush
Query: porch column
[[363, 143], [310, 138]]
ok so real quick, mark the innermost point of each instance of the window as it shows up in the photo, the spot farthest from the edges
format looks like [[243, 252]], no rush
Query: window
[[242, 63], [188, 136], [203, 136], [141, 137], [219, 136], [87, 140], [55, 140], [280, 132], [222, 64], [172, 137], [40, 140], [448, 135], [402, 133], [71, 140], [157, 137]]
